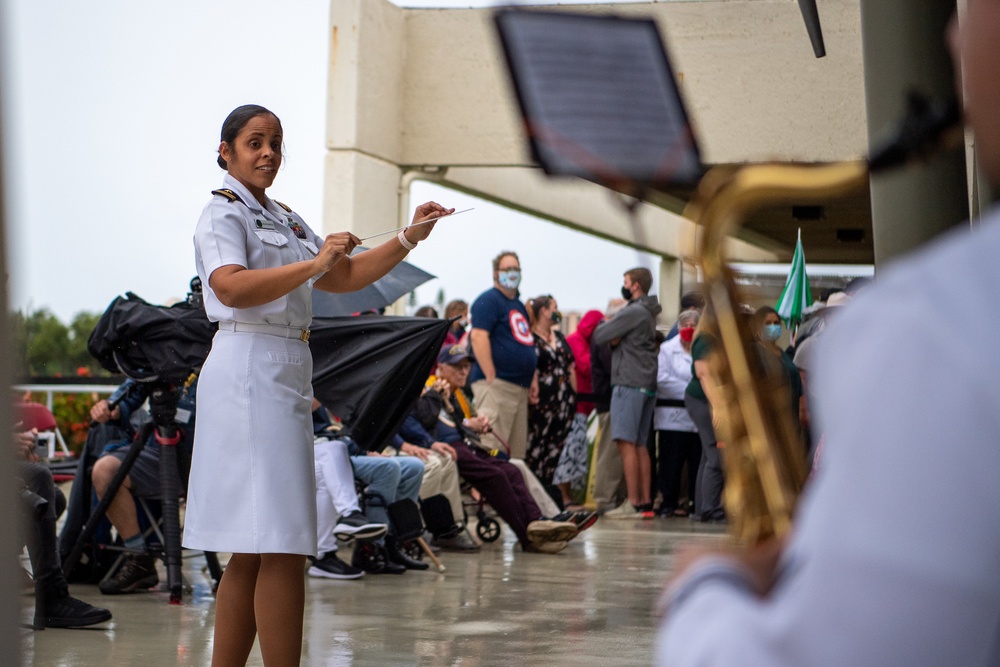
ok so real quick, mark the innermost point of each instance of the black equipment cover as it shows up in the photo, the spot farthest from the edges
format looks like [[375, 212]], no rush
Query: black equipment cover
[[151, 343], [366, 370], [369, 370]]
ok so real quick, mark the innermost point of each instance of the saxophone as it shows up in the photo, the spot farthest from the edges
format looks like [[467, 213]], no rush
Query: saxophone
[[763, 459]]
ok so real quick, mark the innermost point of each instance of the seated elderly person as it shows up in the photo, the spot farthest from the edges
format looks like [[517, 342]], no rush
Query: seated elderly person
[[386, 479], [338, 515], [437, 420], [541, 496], [441, 480], [39, 496]]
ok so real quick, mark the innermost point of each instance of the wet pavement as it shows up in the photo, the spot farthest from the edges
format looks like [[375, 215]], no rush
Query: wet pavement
[[592, 604]]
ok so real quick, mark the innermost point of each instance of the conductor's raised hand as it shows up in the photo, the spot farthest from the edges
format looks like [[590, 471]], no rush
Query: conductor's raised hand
[[335, 248], [425, 211]]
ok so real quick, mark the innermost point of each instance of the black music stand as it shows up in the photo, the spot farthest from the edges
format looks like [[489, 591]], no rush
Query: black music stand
[[599, 99]]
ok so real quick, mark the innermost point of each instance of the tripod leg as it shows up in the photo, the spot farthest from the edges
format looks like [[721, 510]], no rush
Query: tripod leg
[[167, 439], [102, 507], [214, 569]]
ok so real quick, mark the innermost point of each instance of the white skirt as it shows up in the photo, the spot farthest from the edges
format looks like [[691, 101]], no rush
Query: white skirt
[[252, 487]]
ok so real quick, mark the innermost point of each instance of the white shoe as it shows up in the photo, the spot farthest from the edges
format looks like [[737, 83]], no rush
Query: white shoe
[[546, 530], [354, 526], [624, 511]]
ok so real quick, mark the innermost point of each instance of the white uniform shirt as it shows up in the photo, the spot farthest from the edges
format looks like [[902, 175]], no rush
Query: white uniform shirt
[[672, 377], [895, 557], [254, 237]]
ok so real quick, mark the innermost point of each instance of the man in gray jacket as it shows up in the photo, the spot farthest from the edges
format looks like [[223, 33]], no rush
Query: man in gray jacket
[[632, 334]]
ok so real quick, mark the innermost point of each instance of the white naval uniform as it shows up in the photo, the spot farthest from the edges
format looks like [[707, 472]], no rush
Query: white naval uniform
[[252, 487], [895, 555]]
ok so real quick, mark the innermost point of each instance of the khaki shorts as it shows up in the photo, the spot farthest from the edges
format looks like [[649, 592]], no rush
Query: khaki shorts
[[506, 405]]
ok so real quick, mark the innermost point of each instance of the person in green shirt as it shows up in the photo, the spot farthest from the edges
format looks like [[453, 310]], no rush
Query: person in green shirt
[[708, 486]]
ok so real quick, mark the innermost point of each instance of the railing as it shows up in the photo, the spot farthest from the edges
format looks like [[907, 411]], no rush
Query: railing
[[57, 388]]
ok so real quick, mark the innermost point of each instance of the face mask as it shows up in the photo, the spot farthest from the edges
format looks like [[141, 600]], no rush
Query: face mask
[[686, 334], [626, 293], [509, 279], [462, 323], [556, 317], [771, 333]]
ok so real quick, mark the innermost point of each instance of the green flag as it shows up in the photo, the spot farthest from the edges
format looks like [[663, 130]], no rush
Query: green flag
[[796, 296]]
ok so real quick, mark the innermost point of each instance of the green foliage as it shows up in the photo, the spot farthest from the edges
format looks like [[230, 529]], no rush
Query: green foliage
[[440, 301], [79, 332], [18, 345], [44, 346], [46, 343]]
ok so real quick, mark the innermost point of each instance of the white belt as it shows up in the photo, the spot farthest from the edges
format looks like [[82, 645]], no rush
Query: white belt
[[270, 329]]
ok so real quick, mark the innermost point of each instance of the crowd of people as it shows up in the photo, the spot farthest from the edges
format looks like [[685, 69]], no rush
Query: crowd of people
[[506, 426], [646, 382], [860, 581]]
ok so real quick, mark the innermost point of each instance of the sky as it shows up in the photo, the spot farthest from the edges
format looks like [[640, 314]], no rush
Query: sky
[[111, 113]]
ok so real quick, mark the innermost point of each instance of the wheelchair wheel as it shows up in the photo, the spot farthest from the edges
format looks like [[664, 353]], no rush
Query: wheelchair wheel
[[411, 549], [488, 529], [370, 557]]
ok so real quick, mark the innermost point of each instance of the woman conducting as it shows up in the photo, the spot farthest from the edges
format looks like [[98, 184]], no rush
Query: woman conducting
[[251, 491]]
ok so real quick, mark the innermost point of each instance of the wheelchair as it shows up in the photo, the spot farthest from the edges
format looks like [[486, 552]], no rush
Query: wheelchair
[[407, 526], [487, 526]]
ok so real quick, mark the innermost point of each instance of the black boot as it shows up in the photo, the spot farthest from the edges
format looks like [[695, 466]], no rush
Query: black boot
[[136, 573], [62, 610], [398, 557], [374, 559]]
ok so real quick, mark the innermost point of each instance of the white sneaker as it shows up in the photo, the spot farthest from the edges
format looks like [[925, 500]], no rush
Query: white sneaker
[[624, 511], [546, 530]]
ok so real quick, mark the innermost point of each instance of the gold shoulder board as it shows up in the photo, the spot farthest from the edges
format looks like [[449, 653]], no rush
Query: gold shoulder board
[[284, 206], [228, 194]]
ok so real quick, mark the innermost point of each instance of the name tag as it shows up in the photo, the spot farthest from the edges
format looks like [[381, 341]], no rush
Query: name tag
[[263, 224]]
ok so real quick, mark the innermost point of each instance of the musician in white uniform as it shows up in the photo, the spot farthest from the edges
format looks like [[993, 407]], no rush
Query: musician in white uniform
[[252, 486], [881, 569]]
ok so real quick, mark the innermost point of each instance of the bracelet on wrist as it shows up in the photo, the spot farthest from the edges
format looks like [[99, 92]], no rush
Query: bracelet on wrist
[[406, 243]]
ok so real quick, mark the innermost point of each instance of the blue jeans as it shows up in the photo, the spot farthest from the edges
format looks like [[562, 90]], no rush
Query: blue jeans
[[392, 478]]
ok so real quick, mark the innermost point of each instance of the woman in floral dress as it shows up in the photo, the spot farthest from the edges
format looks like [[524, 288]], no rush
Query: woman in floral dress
[[551, 416]]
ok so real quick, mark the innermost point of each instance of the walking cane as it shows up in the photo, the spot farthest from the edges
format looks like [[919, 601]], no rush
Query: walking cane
[[430, 554]]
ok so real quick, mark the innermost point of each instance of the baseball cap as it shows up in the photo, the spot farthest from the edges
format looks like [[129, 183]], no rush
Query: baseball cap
[[452, 354]]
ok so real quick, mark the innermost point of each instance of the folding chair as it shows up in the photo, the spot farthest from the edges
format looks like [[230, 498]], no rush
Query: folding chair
[[35, 415], [150, 515]]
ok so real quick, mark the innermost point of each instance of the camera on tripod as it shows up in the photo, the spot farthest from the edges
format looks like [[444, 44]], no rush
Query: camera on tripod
[[159, 348], [196, 298]]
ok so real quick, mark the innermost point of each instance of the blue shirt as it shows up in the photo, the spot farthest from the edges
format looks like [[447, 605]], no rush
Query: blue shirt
[[511, 342]]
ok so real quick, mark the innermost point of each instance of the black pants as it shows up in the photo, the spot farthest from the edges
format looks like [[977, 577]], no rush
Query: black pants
[[676, 449], [41, 533], [502, 485]]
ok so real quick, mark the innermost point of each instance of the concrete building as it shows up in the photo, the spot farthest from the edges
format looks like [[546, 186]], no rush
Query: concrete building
[[425, 94]]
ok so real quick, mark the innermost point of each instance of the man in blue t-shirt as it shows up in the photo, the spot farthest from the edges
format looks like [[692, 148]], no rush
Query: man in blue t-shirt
[[505, 372]]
